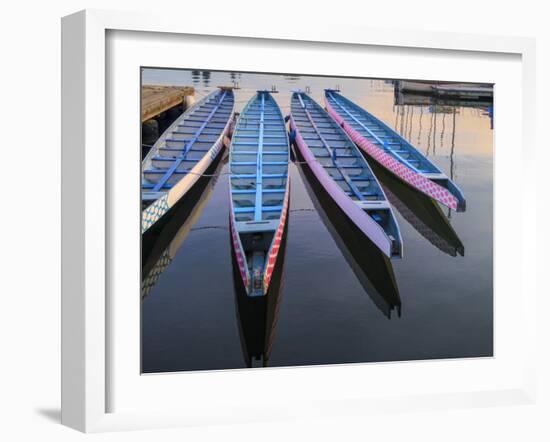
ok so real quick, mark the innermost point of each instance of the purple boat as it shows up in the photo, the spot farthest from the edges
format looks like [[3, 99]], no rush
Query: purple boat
[[344, 173]]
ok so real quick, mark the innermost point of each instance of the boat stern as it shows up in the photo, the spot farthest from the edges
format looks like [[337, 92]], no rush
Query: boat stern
[[455, 191]]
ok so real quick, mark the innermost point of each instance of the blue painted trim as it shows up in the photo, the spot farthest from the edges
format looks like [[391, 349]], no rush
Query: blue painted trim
[[265, 175], [253, 152], [332, 153], [252, 192], [253, 143], [160, 183], [259, 165], [162, 171], [382, 141], [252, 163], [252, 209]]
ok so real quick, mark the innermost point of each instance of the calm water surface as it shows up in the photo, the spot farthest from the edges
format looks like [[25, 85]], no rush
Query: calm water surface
[[334, 299]]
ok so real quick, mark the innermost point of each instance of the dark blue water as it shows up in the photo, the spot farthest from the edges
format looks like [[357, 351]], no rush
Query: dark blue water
[[336, 299]]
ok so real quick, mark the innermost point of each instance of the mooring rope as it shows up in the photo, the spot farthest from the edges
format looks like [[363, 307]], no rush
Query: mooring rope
[[232, 173], [209, 228]]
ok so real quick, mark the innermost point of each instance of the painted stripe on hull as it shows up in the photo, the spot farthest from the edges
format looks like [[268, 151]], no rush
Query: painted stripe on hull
[[261, 119], [362, 220], [411, 177], [239, 253], [273, 252], [276, 244], [160, 207], [154, 212]]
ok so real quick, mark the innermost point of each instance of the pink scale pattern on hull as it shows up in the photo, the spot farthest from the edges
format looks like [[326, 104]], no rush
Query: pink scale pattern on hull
[[272, 254], [274, 251], [241, 259], [411, 177]]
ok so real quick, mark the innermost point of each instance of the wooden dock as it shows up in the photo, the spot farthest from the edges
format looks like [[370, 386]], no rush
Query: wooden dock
[[156, 99], [463, 91]]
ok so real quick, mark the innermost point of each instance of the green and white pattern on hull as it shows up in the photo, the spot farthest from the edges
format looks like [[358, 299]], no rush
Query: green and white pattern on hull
[[183, 153]]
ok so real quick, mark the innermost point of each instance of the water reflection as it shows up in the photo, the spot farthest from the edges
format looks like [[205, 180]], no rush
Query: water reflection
[[421, 212], [405, 125], [206, 77], [408, 99], [257, 316], [373, 270], [452, 155], [160, 246], [196, 77]]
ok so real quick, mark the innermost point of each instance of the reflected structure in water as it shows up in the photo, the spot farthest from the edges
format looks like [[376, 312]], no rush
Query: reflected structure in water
[[373, 270], [160, 247], [404, 99], [196, 77], [421, 212], [257, 315], [433, 111]]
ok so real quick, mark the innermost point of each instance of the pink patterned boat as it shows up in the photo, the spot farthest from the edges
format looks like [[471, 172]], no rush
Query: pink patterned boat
[[344, 173], [259, 188], [393, 152]]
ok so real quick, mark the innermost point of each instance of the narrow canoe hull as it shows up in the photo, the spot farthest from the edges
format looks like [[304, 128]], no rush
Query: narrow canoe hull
[[421, 212], [344, 173], [180, 182], [258, 316], [372, 268], [272, 256], [259, 191], [363, 221], [162, 206], [441, 189]]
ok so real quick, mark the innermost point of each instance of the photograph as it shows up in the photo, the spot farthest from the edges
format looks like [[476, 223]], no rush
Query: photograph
[[302, 220]]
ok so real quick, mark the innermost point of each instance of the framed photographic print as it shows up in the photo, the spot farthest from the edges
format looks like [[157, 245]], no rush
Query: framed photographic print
[[283, 224], [315, 241]]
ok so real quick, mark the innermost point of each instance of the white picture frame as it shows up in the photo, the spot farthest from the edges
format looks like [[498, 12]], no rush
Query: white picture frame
[[87, 207]]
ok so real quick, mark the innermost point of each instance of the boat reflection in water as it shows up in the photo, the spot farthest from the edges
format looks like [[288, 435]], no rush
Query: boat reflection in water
[[404, 99], [257, 315], [160, 245], [422, 213], [371, 267]]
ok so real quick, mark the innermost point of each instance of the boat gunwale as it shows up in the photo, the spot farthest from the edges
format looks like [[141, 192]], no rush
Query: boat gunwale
[[353, 146], [451, 189], [171, 129], [236, 239], [339, 195], [325, 206], [169, 198], [408, 145]]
